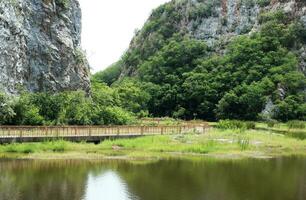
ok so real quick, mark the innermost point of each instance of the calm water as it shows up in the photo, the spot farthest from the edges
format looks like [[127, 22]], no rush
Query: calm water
[[277, 179]]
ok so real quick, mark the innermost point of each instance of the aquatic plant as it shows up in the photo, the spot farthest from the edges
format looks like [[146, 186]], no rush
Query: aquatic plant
[[243, 143]]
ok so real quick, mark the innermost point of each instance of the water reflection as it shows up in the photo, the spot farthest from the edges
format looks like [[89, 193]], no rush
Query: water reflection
[[107, 185], [277, 179]]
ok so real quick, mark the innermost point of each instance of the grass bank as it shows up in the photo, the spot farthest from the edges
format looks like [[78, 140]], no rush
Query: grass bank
[[262, 142]]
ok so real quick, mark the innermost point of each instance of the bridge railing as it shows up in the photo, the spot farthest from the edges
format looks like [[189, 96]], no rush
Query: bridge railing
[[78, 131]]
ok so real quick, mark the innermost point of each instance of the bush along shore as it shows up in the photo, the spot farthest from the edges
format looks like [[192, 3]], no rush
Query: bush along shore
[[228, 139]]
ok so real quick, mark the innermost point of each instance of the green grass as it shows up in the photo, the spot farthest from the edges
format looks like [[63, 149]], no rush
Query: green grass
[[243, 142], [258, 142], [48, 146], [226, 142]]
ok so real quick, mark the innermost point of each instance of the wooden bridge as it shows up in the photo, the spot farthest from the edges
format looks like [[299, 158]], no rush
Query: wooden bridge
[[9, 134]]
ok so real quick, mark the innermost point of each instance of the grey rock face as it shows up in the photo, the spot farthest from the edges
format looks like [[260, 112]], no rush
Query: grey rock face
[[40, 46], [236, 17], [221, 21]]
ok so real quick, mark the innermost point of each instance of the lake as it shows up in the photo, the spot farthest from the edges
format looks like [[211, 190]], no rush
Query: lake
[[208, 179]]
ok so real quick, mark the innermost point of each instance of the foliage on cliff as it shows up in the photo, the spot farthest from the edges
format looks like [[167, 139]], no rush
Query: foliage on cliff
[[187, 79]]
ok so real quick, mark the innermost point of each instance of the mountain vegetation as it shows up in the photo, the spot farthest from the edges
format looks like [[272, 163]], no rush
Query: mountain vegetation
[[186, 78], [119, 105], [171, 69]]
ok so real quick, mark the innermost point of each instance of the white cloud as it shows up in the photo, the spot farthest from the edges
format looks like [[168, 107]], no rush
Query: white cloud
[[109, 25]]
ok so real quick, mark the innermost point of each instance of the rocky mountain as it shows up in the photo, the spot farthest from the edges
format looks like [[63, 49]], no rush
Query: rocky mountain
[[40, 46], [220, 59], [214, 21]]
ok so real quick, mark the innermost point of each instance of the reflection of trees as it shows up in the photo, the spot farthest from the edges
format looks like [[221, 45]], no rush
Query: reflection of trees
[[276, 179], [8, 189], [27, 180], [302, 184], [217, 180]]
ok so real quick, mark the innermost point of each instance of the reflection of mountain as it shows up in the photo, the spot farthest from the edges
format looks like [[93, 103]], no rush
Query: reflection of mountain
[[218, 180], [277, 179]]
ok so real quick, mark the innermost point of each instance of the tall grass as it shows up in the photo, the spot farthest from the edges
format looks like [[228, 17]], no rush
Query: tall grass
[[299, 135], [202, 147], [56, 146], [19, 148], [295, 124], [138, 143], [235, 124], [243, 143], [48, 146]]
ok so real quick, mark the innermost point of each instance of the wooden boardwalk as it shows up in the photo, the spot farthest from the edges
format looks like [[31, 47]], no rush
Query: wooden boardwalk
[[9, 134]]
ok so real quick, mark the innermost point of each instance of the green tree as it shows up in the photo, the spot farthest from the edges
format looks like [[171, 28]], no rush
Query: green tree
[[243, 102], [109, 75], [292, 107], [6, 109], [27, 113], [115, 115], [131, 96], [80, 109]]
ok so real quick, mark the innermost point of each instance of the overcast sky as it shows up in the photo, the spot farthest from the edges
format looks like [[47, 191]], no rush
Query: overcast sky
[[109, 25]]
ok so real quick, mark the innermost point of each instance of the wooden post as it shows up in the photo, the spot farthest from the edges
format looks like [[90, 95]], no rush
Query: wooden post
[[118, 131], [162, 130], [141, 130], [57, 133]]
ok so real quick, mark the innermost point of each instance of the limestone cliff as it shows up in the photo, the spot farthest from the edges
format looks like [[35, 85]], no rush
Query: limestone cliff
[[214, 21], [40, 46]]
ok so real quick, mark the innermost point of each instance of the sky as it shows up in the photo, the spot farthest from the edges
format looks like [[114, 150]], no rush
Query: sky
[[108, 27]]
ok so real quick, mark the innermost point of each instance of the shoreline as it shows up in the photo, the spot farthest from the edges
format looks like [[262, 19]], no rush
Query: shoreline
[[217, 144], [173, 155]]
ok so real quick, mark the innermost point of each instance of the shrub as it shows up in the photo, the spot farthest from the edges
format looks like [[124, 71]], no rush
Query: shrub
[[19, 148], [271, 123], [250, 125], [263, 3], [295, 124], [27, 149], [248, 3], [109, 75], [116, 115], [235, 124], [59, 146], [299, 135], [80, 56], [63, 3], [231, 124], [291, 108], [278, 16], [6, 110], [10, 148]]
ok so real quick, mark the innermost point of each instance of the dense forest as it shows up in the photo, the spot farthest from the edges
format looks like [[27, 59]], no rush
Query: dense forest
[[256, 78], [253, 76]]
